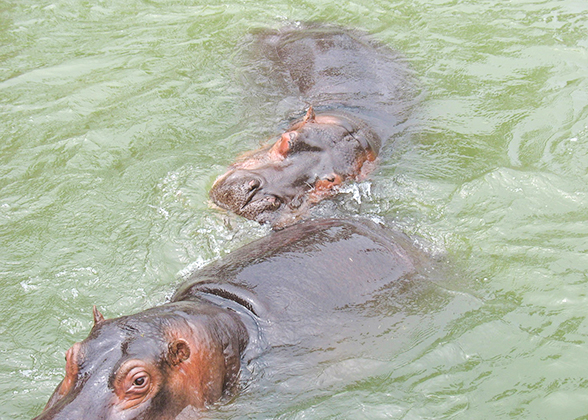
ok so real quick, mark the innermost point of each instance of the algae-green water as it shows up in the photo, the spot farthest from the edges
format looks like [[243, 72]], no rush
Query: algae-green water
[[116, 117]]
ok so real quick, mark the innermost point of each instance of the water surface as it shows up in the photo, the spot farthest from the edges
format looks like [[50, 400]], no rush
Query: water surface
[[116, 117]]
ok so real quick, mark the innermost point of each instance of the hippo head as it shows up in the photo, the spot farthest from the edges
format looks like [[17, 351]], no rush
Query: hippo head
[[149, 365], [280, 182]]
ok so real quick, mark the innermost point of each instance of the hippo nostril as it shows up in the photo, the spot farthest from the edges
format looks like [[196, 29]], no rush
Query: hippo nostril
[[254, 184], [252, 187], [249, 191]]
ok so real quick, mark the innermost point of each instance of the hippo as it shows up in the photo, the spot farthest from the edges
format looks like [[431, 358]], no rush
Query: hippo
[[358, 93], [281, 290]]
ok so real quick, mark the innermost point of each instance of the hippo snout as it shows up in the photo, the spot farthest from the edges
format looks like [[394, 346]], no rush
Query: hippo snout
[[243, 193], [236, 189], [69, 409]]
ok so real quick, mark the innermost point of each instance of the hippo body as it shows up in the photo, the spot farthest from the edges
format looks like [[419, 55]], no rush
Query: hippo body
[[283, 290], [358, 93]]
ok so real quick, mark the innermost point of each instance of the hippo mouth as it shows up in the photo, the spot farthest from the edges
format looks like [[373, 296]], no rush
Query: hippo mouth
[[256, 198], [257, 207]]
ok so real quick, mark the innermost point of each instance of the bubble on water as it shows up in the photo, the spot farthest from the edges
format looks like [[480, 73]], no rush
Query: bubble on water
[[360, 191], [27, 286], [193, 266]]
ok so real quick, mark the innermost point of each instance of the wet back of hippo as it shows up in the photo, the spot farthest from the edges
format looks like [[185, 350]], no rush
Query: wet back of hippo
[[331, 68], [302, 279]]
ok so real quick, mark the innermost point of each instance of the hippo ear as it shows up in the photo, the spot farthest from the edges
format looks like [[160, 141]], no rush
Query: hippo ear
[[179, 351], [310, 116], [282, 146], [98, 317]]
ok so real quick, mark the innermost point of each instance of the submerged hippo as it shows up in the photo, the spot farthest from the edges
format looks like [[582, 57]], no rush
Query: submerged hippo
[[358, 92], [281, 290]]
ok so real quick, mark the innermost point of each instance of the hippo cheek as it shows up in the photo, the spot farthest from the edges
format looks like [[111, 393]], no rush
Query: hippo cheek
[[328, 183]]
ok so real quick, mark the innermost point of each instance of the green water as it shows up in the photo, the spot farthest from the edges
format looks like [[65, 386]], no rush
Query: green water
[[116, 117]]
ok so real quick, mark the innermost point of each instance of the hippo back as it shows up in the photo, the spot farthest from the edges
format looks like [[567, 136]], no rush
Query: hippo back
[[309, 271], [329, 68]]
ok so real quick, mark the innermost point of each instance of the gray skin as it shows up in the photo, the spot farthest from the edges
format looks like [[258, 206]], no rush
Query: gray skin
[[280, 290], [359, 92]]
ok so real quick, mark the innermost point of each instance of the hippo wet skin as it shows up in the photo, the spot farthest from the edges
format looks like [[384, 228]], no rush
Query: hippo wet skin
[[357, 94], [281, 290]]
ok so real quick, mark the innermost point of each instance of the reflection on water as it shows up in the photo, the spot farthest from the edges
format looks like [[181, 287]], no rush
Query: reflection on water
[[117, 117]]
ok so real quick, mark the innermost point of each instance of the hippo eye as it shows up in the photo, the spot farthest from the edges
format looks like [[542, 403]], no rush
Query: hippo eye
[[139, 381], [303, 146], [135, 382]]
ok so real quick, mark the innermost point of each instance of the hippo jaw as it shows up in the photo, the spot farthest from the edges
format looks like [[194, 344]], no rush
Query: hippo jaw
[[278, 184], [150, 366]]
